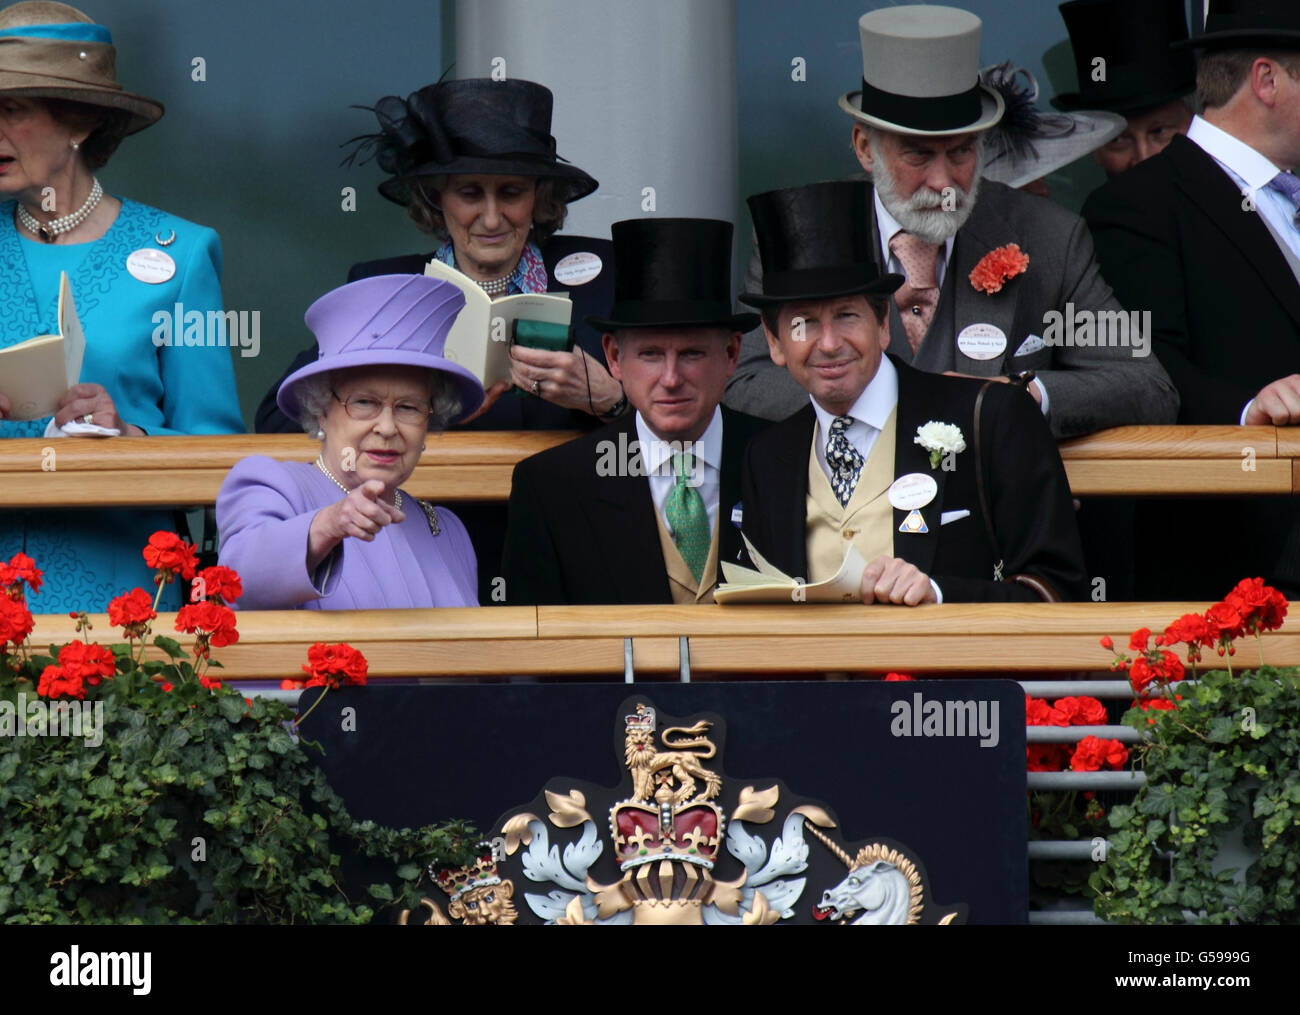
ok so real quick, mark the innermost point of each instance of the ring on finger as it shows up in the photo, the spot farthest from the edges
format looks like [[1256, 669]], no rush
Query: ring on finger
[[537, 387], [88, 418]]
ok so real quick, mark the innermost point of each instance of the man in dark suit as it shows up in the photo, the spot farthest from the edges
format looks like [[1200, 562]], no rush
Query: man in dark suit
[[1204, 236], [1125, 65], [952, 490], [641, 511], [917, 130]]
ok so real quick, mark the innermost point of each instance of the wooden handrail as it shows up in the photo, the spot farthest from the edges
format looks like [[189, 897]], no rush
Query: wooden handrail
[[757, 641], [467, 466]]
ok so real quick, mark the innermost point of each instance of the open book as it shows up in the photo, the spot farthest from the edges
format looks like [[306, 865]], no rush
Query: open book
[[770, 585], [480, 339], [35, 374]]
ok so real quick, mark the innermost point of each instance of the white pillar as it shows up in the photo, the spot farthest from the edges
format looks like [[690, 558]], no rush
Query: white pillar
[[645, 96]]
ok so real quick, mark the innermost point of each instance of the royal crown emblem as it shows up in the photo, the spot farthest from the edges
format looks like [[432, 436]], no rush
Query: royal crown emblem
[[683, 845]]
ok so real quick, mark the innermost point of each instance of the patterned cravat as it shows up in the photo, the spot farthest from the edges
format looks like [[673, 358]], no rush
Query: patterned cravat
[[844, 459], [684, 509], [1288, 186], [916, 298]]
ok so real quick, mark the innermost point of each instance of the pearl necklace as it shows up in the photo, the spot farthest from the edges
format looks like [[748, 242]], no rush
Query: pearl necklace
[[496, 286], [47, 231], [320, 464]]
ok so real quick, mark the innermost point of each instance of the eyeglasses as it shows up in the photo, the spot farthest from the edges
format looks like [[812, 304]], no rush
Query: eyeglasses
[[364, 408]]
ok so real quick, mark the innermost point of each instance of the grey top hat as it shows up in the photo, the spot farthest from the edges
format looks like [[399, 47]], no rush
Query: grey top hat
[[920, 73]]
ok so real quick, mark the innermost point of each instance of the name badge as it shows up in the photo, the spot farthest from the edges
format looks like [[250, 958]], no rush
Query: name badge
[[149, 265], [982, 341], [578, 269], [915, 490]]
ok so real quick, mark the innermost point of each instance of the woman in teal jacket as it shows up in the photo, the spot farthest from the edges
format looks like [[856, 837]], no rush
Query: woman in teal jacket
[[138, 277]]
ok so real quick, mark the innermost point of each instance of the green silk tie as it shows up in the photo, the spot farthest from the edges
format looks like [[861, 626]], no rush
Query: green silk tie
[[688, 518]]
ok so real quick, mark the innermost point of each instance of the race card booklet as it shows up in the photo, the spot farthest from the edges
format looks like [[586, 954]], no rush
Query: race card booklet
[[769, 584], [480, 339], [35, 374]]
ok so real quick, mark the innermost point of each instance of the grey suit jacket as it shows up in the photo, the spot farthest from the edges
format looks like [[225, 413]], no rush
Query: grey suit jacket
[[1090, 387]]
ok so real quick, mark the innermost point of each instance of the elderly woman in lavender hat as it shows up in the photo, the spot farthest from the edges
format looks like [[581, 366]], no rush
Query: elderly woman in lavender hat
[[340, 534]]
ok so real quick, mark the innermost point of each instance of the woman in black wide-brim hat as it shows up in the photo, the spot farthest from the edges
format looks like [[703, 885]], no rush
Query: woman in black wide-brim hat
[[475, 164]]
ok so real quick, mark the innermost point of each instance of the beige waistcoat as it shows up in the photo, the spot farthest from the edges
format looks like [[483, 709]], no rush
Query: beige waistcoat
[[681, 581], [867, 521]]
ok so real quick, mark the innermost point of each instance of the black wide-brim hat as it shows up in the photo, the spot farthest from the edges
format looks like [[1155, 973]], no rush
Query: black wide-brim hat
[[1230, 24], [672, 273], [815, 243], [1134, 38], [471, 126]]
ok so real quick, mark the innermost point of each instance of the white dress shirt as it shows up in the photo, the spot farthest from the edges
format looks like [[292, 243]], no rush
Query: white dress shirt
[[888, 226], [1252, 173], [657, 457], [869, 413]]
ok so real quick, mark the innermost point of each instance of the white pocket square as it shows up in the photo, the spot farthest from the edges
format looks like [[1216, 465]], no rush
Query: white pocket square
[[953, 516], [1029, 346]]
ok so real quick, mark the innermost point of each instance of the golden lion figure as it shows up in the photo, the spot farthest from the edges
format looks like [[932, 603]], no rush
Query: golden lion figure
[[645, 763]]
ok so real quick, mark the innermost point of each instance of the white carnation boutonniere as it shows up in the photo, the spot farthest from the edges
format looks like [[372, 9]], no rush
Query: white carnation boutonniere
[[940, 439]]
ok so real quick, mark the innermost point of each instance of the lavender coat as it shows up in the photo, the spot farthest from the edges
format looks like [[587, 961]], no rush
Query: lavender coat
[[264, 510]]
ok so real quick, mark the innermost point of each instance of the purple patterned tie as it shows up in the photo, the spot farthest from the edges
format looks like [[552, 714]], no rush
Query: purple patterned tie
[[1288, 185]]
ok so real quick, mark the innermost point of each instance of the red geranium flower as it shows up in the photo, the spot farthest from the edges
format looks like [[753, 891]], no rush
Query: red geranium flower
[[169, 554], [1164, 669], [214, 623], [54, 683], [1039, 713], [21, 568], [220, 583], [1224, 623], [997, 267], [327, 664], [1045, 757], [1261, 606], [87, 662], [1107, 643], [1082, 711], [1138, 640], [15, 621], [131, 610], [1093, 754], [1191, 630], [897, 676], [211, 683]]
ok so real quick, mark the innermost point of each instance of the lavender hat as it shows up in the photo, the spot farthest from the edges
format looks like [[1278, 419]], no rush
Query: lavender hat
[[382, 320]]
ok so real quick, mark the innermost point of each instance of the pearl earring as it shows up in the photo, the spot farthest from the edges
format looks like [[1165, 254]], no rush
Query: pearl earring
[[75, 145], [320, 435]]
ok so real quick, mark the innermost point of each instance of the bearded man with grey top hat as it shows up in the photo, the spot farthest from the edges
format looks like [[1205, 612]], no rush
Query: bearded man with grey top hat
[[918, 118], [951, 489], [643, 510]]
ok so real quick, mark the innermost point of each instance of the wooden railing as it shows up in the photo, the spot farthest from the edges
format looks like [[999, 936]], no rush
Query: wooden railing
[[753, 641], [465, 466]]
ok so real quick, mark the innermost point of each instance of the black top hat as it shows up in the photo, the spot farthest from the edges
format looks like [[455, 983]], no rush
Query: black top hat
[[672, 273], [475, 125], [1230, 24], [815, 242], [1134, 38]]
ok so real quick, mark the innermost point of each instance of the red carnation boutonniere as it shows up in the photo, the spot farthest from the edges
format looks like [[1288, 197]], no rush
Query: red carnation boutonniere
[[998, 267]]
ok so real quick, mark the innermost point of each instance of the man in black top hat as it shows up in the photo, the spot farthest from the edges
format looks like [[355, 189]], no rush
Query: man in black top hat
[[1204, 235], [946, 486], [970, 305], [642, 510], [1125, 65]]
